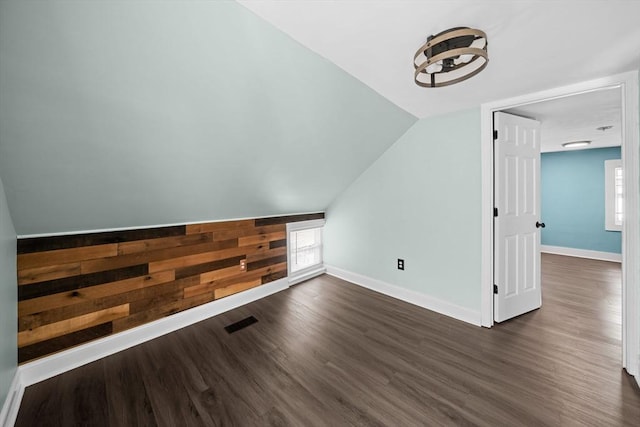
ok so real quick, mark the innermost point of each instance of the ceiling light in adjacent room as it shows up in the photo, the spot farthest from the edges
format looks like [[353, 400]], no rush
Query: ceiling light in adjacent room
[[450, 56], [576, 144]]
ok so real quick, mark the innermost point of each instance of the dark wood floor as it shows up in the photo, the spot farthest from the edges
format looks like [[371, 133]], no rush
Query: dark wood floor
[[327, 352]]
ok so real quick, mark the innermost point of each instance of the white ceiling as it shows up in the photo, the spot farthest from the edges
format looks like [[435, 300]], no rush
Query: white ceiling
[[533, 45], [576, 118]]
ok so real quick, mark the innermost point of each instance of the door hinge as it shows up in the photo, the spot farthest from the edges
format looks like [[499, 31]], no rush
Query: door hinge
[[495, 135], [495, 288], [495, 211]]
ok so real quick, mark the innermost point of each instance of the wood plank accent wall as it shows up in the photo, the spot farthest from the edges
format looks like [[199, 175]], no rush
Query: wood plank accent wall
[[76, 288]]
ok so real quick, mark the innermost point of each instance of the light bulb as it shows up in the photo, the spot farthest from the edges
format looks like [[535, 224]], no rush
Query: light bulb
[[434, 68], [463, 59]]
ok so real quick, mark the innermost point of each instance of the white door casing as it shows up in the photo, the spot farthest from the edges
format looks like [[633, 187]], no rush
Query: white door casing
[[517, 199], [627, 83]]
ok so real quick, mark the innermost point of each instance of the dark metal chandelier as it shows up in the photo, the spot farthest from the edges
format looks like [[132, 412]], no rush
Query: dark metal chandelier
[[450, 56]]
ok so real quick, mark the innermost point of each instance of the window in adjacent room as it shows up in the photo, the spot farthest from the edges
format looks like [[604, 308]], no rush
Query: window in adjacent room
[[614, 195], [304, 243]]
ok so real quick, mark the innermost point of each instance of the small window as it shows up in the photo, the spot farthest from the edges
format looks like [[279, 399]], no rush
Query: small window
[[304, 243], [614, 195]]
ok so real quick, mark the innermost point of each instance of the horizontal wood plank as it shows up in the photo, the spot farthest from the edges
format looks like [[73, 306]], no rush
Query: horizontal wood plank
[[278, 244], [222, 273], [136, 246], [150, 293], [271, 253], [255, 265], [155, 255], [223, 264], [261, 238], [159, 312], [40, 244], [218, 226], [191, 260], [163, 294], [276, 275], [243, 232], [288, 219], [235, 288], [232, 279], [49, 302], [65, 256], [44, 348], [78, 282], [48, 272], [63, 327]]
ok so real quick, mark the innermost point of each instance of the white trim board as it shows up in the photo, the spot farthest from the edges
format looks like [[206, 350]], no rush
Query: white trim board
[[627, 83], [581, 253], [307, 275], [406, 295], [50, 366], [11, 405]]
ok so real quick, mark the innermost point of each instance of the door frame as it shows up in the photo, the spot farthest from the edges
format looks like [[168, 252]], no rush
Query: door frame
[[627, 83]]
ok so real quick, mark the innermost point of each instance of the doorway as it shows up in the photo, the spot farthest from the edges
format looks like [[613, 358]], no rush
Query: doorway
[[627, 84]]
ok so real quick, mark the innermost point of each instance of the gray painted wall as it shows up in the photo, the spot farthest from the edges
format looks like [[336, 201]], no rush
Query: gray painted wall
[[8, 299], [125, 114], [419, 201]]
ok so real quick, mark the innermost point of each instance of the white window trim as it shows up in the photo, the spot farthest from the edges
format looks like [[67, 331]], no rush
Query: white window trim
[[609, 191], [309, 272]]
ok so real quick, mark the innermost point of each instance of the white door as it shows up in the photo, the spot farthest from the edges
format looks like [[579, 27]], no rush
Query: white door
[[517, 216]]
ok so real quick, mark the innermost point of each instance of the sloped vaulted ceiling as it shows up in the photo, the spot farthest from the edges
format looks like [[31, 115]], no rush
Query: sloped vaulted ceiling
[[124, 114], [533, 44]]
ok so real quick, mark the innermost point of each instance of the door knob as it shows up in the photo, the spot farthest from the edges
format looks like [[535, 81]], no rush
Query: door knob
[[540, 224]]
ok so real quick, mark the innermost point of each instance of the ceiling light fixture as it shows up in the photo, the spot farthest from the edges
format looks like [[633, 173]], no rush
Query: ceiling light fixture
[[450, 56], [575, 144]]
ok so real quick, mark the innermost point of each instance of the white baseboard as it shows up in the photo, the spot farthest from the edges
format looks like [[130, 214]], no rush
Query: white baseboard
[[581, 253], [50, 366], [11, 405], [307, 275], [412, 297]]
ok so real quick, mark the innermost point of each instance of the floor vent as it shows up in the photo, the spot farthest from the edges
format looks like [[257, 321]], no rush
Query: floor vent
[[240, 324]]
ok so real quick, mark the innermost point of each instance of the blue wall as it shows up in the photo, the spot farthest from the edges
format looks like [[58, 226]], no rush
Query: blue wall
[[573, 200]]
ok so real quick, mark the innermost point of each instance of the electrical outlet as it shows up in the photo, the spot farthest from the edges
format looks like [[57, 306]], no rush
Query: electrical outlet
[[400, 264], [243, 265]]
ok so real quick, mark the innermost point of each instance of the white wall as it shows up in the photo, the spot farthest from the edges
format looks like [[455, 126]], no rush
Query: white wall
[[419, 201], [8, 299], [129, 113]]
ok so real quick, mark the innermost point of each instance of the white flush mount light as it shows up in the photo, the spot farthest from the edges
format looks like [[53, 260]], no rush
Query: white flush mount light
[[576, 144], [450, 56]]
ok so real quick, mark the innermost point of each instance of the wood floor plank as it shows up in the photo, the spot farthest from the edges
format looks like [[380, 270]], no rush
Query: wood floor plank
[[76, 398], [127, 397], [327, 353]]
